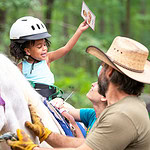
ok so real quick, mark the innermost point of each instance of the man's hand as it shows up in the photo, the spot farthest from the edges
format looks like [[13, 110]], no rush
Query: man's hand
[[24, 142], [37, 127]]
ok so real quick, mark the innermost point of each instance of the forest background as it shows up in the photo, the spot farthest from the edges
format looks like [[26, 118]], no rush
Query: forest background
[[77, 70]]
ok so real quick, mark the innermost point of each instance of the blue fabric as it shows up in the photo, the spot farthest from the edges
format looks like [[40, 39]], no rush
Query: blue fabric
[[82, 129], [65, 126], [40, 74], [88, 117], [99, 70]]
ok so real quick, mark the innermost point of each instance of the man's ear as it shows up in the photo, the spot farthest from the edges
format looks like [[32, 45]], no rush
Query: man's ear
[[109, 71], [27, 50]]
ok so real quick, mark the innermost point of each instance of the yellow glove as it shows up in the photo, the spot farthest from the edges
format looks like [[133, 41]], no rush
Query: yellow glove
[[24, 142], [37, 127]]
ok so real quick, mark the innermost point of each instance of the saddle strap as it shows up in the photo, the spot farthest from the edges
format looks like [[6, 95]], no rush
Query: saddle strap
[[48, 91]]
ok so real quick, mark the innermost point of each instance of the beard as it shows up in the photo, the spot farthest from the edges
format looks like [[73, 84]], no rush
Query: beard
[[103, 83]]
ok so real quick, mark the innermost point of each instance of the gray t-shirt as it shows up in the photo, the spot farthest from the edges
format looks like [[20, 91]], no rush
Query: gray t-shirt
[[124, 125]]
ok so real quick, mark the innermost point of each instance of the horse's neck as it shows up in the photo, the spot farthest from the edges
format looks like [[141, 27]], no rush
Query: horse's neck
[[16, 113], [14, 116]]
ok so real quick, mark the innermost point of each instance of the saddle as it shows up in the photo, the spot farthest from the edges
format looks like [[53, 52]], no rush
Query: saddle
[[48, 91]]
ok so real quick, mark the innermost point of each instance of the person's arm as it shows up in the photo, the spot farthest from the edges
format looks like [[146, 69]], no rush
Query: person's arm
[[56, 140], [76, 130], [24, 142], [82, 147], [54, 55], [75, 113], [70, 113], [44, 134]]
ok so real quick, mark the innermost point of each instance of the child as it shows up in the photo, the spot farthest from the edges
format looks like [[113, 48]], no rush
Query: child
[[29, 43]]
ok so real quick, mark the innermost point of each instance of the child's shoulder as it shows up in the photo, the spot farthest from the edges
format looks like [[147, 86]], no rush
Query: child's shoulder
[[19, 65]]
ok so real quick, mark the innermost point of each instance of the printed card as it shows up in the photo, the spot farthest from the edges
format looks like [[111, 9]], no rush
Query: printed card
[[87, 15]]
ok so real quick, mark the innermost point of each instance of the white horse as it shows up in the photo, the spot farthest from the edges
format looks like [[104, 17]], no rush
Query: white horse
[[17, 93]]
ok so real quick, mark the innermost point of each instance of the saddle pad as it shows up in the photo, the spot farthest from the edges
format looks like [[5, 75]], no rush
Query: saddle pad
[[2, 102]]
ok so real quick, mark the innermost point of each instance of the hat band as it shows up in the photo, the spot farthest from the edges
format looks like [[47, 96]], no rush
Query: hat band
[[134, 70]]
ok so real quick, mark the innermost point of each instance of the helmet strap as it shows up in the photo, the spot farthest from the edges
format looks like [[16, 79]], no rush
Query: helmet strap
[[35, 60]]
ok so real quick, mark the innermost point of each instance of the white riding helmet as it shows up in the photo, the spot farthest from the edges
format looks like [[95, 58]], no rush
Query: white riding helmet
[[28, 28]]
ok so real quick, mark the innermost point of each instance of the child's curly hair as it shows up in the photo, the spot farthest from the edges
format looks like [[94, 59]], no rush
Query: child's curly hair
[[17, 48]]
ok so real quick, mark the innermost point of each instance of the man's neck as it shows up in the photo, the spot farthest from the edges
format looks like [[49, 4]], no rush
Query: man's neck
[[113, 95], [98, 109]]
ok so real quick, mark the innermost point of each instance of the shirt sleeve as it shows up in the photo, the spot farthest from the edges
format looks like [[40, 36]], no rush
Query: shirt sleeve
[[86, 114], [113, 132]]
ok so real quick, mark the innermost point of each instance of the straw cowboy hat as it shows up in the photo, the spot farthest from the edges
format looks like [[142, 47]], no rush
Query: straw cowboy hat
[[127, 56]]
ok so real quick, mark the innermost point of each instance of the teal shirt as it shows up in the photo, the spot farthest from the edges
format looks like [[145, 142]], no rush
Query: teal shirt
[[40, 74], [88, 117]]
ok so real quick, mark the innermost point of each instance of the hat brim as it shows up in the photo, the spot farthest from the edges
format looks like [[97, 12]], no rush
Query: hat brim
[[36, 36], [143, 77]]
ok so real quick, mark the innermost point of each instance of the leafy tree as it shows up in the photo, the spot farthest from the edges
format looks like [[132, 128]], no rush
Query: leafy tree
[[77, 70]]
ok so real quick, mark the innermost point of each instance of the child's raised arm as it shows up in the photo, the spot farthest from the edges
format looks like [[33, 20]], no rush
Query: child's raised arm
[[54, 55]]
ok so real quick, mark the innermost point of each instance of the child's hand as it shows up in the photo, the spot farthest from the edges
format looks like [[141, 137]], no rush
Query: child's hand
[[83, 26]]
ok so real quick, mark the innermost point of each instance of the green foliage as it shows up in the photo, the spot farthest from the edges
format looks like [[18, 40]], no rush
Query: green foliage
[[71, 79], [6, 4], [77, 70], [147, 89]]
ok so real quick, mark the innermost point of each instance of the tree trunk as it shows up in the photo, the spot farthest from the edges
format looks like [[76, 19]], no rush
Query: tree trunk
[[65, 29], [2, 22], [102, 22], [143, 7], [127, 31], [48, 13], [67, 59]]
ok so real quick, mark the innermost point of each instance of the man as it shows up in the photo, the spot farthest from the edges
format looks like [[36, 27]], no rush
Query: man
[[124, 124]]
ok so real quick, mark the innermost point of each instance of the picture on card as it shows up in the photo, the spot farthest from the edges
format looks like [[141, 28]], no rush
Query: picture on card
[[87, 15]]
